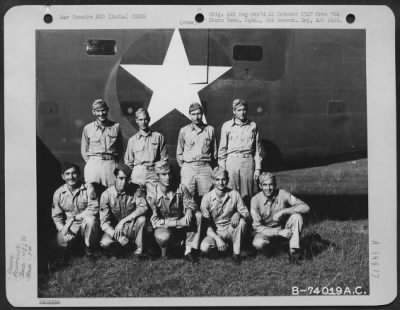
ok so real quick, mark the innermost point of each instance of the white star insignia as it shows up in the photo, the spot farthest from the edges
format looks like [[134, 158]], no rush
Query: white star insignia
[[175, 83]]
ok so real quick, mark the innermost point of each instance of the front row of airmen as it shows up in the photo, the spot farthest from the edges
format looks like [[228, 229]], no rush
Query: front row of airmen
[[141, 208]]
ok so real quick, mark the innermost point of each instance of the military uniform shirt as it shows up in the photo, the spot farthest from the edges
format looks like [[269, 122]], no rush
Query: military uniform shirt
[[145, 149], [169, 207], [263, 209], [196, 144], [67, 204], [98, 140], [114, 206], [221, 211], [239, 139]]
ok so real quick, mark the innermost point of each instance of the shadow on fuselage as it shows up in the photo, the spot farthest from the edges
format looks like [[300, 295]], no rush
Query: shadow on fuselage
[[336, 207], [274, 161], [48, 180]]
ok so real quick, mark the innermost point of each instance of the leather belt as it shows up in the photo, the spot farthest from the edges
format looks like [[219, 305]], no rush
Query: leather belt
[[103, 157], [241, 155]]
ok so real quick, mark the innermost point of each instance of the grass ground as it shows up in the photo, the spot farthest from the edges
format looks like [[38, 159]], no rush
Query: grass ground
[[342, 264]]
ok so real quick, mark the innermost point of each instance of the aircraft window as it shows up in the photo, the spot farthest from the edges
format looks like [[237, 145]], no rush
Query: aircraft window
[[247, 52], [101, 47], [336, 107]]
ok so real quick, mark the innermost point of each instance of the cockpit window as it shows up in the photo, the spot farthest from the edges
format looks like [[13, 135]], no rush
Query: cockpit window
[[247, 52]]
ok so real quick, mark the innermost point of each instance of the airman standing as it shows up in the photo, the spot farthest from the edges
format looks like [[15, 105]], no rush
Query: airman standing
[[240, 151], [196, 153], [144, 149], [101, 146]]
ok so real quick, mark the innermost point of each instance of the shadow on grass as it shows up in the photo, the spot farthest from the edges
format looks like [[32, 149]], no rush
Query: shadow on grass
[[311, 245]]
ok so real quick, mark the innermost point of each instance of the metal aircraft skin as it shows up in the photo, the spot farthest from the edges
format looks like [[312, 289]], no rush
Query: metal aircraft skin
[[306, 89]]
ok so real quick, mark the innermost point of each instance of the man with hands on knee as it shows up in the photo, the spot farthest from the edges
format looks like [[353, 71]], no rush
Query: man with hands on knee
[[227, 217], [122, 216], [277, 213]]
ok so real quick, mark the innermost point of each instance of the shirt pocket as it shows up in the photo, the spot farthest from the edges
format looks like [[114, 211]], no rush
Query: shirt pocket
[[206, 146], [154, 148], [111, 139], [247, 138], [95, 143], [190, 144]]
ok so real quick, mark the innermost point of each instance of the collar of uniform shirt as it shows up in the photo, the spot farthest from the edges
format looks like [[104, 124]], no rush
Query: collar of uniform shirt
[[271, 200], [121, 193], [239, 122], [79, 188], [144, 134], [160, 194], [215, 197], [198, 128], [102, 126]]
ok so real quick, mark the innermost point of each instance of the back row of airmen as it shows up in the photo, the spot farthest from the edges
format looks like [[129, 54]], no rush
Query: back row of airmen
[[223, 193]]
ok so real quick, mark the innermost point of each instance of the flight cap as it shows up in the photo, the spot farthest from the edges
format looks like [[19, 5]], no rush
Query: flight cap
[[218, 171], [264, 176], [162, 167]]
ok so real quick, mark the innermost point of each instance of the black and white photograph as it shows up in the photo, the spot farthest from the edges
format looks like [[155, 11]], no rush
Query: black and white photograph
[[224, 153]]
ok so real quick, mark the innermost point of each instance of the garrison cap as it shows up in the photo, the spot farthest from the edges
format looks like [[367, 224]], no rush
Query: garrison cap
[[67, 165], [162, 167], [195, 106], [218, 171], [264, 176], [99, 104], [237, 102], [124, 168]]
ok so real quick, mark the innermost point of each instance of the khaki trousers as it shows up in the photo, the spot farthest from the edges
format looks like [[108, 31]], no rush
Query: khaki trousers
[[241, 176], [88, 228], [141, 175], [172, 236], [234, 235], [134, 231], [197, 176], [100, 171], [294, 223]]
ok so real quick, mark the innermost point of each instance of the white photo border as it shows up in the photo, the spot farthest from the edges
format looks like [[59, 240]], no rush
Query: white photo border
[[20, 114]]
